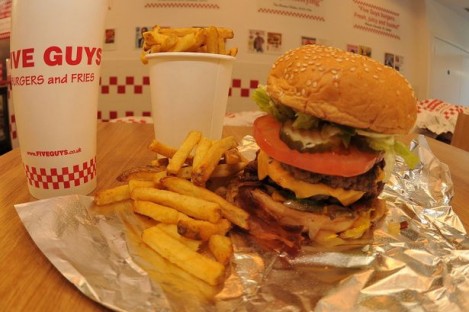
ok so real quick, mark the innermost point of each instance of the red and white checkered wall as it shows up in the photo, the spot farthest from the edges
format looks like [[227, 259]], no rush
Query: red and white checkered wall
[[125, 90]]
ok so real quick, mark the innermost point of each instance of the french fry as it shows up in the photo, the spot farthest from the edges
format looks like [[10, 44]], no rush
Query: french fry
[[133, 184], [112, 195], [201, 151], [185, 172], [231, 212], [221, 45], [233, 156], [162, 149], [225, 33], [157, 212], [212, 40], [180, 32], [176, 252], [221, 247], [232, 52], [196, 39], [157, 178], [146, 173], [202, 230], [227, 170], [172, 230], [190, 42], [160, 162], [169, 276], [178, 159], [202, 173], [195, 207], [220, 171], [156, 37]]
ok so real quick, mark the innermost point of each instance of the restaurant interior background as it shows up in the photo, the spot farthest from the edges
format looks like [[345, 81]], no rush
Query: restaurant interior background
[[426, 40]]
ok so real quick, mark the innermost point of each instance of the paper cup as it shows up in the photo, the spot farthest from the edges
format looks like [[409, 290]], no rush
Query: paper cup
[[56, 50], [189, 91]]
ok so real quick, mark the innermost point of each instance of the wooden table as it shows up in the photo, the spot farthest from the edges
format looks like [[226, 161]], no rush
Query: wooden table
[[29, 282]]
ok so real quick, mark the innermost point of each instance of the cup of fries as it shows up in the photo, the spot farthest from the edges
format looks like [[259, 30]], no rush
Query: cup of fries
[[190, 76]]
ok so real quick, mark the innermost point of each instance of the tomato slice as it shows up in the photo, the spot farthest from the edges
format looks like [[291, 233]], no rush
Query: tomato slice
[[347, 163]]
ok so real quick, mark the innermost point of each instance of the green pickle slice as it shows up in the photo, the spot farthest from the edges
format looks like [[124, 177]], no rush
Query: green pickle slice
[[325, 138]]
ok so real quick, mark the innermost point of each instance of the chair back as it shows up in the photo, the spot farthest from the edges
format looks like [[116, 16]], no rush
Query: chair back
[[461, 132]]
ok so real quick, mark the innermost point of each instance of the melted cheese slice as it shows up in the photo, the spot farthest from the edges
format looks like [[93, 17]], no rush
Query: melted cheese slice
[[270, 167]]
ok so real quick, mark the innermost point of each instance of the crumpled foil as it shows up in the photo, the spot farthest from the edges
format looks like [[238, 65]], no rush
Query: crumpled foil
[[424, 266]]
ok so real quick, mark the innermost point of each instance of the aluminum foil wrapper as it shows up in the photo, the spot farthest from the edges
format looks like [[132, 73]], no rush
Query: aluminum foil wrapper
[[421, 266]]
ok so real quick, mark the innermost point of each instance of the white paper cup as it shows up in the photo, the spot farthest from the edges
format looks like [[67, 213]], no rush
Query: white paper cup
[[56, 50], [189, 91]]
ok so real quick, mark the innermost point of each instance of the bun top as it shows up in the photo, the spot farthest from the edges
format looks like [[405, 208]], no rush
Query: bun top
[[344, 88]]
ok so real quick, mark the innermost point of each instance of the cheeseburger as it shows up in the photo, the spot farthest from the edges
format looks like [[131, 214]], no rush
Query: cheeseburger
[[327, 145]]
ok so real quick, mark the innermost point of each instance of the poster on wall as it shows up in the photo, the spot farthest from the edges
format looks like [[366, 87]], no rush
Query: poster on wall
[[369, 17], [139, 30], [309, 9], [178, 4], [274, 42], [394, 61], [364, 50], [352, 48], [261, 41], [359, 49], [308, 40], [109, 39], [256, 41]]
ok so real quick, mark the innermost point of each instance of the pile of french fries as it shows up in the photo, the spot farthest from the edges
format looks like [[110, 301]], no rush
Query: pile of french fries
[[193, 39], [192, 221]]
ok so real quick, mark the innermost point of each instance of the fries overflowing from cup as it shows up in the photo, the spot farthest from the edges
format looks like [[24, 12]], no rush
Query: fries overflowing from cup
[[193, 39], [192, 221]]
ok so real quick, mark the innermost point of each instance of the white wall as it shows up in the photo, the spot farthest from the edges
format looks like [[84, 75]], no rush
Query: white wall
[[415, 33], [448, 54]]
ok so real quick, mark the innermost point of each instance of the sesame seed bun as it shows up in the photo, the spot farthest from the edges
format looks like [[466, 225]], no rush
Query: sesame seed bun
[[344, 88]]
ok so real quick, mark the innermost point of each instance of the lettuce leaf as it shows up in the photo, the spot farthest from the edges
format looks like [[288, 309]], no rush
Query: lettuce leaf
[[265, 104], [410, 158], [387, 143]]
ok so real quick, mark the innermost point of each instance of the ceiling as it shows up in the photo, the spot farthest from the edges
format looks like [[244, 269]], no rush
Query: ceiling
[[460, 6]]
